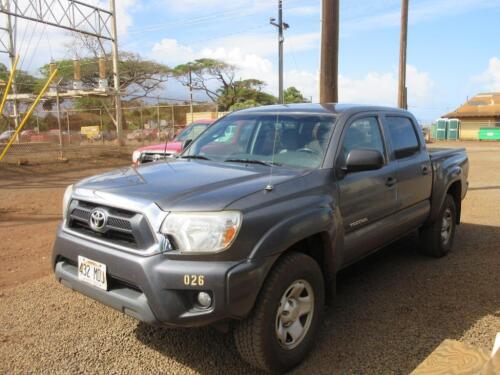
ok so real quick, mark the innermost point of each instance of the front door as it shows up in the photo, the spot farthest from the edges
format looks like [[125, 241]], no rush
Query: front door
[[366, 197]]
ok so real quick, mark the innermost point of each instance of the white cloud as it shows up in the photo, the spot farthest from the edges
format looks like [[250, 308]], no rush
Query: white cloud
[[373, 88], [249, 65], [171, 52], [124, 10], [251, 53], [490, 78], [381, 88], [304, 10], [265, 44], [307, 82]]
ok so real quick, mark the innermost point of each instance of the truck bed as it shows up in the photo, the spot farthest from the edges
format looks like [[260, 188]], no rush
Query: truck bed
[[436, 153]]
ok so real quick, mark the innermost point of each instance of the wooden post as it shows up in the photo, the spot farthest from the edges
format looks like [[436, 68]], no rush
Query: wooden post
[[116, 76], [77, 71], [191, 93], [402, 98], [173, 121], [67, 124], [158, 118], [329, 52]]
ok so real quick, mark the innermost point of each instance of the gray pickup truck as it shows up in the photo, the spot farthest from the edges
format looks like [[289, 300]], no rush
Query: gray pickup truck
[[249, 226]]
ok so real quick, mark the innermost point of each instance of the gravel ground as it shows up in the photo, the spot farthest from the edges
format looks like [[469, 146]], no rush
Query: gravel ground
[[391, 311]]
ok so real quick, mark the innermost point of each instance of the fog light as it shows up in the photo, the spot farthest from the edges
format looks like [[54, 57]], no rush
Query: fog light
[[204, 300]]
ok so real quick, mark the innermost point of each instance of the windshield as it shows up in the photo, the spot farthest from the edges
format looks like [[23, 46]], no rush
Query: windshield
[[296, 140], [191, 132]]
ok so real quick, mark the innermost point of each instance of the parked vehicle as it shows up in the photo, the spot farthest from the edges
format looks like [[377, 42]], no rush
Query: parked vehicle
[[6, 135], [26, 135], [249, 226], [161, 151]]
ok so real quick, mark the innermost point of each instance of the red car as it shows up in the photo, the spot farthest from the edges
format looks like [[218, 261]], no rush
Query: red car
[[160, 151]]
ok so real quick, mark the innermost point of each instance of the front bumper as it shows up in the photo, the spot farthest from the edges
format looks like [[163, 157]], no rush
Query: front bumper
[[152, 288]]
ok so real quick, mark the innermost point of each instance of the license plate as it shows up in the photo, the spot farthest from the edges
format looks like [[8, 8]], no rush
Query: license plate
[[92, 272]]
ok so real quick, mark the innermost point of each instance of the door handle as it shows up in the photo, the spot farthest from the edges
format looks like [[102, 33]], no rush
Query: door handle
[[391, 181], [425, 169]]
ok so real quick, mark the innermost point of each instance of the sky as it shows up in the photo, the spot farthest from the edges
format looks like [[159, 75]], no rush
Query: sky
[[453, 45]]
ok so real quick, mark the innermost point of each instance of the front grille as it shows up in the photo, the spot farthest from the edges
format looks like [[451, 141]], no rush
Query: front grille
[[81, 214], [118, 223], [123, 227], [148, 157]]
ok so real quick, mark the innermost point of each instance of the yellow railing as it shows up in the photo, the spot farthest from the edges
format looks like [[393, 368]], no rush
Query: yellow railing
[[28, 114], [9, 84]]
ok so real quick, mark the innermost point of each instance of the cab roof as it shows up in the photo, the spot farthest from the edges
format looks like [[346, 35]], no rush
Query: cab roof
[[333, 108]]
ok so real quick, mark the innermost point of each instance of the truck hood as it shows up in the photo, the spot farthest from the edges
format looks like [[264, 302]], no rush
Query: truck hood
[[183, 185]]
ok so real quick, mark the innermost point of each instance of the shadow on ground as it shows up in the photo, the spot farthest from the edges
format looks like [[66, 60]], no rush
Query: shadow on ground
[[391, 311]]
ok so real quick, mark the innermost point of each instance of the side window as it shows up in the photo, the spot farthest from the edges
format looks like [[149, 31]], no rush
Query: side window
[[363, 133], [403, 137]]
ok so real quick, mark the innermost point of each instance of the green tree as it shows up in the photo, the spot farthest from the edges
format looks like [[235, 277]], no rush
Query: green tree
[[293, 95], [138, 77], [25, 82], [206, 75], [245, 94], [217, 80]]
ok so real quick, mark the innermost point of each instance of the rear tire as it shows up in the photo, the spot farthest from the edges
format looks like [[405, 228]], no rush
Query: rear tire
[[281, 329], [436, 240]]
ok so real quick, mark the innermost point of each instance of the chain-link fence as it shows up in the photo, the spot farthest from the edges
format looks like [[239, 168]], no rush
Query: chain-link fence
[[74, 133]]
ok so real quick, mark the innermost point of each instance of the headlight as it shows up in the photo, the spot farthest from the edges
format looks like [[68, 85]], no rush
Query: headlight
[[66, 199], [202, 232], [136, 155]]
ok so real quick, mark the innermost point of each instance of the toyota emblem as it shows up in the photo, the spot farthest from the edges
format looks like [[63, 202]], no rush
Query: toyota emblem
[[98, 220]]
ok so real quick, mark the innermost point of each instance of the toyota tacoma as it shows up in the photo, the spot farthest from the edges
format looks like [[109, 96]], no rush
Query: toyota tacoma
[[248, 227]]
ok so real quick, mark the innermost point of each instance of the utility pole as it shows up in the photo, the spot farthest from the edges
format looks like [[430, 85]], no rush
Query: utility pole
[[11, 31], [281, 39], [402, 89], [116, 75], [329, 70]]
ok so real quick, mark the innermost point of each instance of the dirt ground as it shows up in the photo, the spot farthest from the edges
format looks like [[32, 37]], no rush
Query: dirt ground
[[391, 311]]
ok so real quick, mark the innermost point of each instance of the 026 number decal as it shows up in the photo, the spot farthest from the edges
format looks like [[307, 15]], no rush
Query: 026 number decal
[[194, 280]]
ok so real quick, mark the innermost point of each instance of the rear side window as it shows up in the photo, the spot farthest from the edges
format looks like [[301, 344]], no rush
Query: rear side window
[[403, 137]]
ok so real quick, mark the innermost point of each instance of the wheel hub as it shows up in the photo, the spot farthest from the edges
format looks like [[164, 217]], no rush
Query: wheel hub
[[294, 315], [446, 226]]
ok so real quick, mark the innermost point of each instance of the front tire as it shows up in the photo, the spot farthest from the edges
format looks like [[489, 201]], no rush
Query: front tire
[[436, 240], [281, 329]]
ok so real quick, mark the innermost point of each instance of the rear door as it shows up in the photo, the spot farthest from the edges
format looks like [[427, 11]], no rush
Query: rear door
[[366, 197], [414, 173]]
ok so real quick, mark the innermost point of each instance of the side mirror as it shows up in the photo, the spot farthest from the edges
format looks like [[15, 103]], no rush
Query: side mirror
[[364, 160], [186, 144]]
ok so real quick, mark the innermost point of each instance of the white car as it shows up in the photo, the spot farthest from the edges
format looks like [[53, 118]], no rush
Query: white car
[[6, 135]]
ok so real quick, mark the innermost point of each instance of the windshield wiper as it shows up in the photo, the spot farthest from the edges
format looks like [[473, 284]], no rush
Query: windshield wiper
[[252, 161], [198, 157]]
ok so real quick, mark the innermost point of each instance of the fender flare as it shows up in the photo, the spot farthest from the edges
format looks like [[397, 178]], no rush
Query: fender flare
[[453, 175]]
